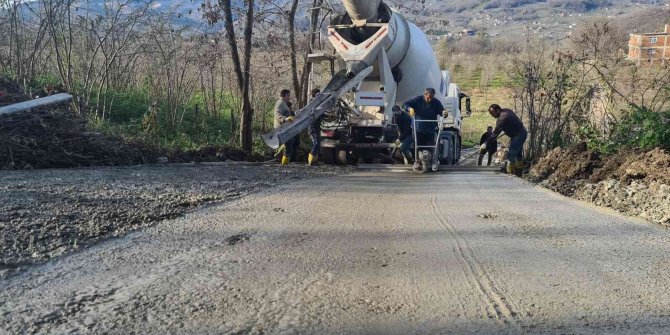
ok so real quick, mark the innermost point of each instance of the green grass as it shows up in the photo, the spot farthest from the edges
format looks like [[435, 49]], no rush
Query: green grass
[[483, 93], [474, 126]]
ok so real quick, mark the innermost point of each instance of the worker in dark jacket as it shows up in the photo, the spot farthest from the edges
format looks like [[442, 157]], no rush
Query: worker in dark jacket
[[425, 107], [405, 136], [314, 133], [508, 122], [490, 148], [282, 115]]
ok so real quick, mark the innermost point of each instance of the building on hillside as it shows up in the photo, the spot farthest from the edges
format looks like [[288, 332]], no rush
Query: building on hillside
[[651, 48]]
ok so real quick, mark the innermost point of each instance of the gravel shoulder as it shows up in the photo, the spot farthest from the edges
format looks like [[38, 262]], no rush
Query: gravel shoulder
[[48, 213], [363, 253]]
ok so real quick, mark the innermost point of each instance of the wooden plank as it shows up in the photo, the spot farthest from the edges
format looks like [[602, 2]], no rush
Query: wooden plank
[[26, 105]]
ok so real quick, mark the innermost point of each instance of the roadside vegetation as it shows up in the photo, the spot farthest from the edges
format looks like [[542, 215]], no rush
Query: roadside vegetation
[[582, 90]]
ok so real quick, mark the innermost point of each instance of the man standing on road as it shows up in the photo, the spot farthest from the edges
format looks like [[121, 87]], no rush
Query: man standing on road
[[314, 133], [491, 146], [405, 137], [282, 115], [425, 107], [508, 122]]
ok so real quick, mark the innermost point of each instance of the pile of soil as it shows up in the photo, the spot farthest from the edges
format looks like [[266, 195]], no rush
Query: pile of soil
[[213, 153], [560, 169], [10, 92], [60, 139], [631, 181], [55, 137]]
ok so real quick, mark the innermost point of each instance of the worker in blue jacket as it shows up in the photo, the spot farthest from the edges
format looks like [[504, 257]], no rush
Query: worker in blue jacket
[[425, 107]]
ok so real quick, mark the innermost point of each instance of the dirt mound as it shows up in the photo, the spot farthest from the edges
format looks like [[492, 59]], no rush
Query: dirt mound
[[562, 168], [60, 139], [633, 182], [651, 166], [55, 137], [213, 153], [10, 93]]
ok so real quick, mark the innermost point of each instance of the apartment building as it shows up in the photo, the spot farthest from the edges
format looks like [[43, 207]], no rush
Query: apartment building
[[650, 48]]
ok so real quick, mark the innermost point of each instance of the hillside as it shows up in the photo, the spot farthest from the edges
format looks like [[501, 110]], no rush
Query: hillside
[[554, 19]]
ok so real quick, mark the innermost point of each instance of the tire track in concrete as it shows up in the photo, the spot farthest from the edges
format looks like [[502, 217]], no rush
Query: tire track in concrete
[[497, 305]]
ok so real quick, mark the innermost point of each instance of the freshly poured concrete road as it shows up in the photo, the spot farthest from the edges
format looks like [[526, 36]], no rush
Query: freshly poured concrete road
[[369, 253]]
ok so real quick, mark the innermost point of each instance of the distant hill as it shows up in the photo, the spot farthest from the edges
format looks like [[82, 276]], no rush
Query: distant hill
[[553, 19], [549, 18]]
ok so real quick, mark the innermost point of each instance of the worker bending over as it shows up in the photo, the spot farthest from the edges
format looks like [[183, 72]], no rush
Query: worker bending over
[[283, 114], [489, 145], [425, 107], [405, 138], [508, 122]]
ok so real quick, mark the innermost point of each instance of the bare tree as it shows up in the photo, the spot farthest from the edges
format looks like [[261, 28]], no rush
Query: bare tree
[[242, 71]]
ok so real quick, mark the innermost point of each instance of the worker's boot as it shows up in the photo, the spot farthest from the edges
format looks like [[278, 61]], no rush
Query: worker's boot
[[509, 167], [416, 166], [285, 159], [518, 168], [425, 158], [311, 159], [435, 164]]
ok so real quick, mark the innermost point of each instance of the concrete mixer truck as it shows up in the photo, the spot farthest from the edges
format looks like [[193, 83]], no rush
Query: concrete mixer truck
[[385, 60]]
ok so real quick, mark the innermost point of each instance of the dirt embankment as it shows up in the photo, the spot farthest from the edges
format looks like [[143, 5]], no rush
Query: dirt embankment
[[45, 213], [630, 181], [56, 137]]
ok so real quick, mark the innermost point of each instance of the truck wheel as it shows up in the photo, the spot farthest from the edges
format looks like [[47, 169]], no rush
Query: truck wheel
[[455, 152], [452, 150], [449, 142], [328, 155], [458, 150], [445, 160]]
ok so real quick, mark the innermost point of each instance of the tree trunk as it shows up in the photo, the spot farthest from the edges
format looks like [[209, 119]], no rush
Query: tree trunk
[[246, 136], [293, 57], [232, 42], [243, 76]]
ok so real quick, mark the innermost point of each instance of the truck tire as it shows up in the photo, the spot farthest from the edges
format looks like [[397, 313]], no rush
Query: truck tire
[[328, 155], [454, 151], [449, 142], [452, 159], [458, 149]]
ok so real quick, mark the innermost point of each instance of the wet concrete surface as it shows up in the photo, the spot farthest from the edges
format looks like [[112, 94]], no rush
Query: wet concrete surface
[[47, 213], [462, 252]]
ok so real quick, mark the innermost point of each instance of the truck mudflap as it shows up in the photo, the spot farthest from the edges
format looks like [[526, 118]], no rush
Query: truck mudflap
[[338, 86]]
